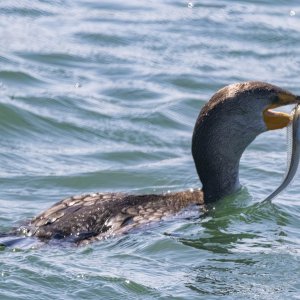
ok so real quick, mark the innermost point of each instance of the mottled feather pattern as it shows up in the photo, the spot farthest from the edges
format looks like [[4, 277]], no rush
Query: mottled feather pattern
[[98, 215]]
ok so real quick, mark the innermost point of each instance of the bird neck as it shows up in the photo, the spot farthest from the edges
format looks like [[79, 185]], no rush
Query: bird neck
[[217, 150], [220, 179]]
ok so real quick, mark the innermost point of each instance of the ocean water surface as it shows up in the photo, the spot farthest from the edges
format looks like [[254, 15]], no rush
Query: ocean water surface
[[103, 96]]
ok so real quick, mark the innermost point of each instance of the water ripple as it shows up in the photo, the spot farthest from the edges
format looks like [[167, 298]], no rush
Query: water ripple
[[103, 96]]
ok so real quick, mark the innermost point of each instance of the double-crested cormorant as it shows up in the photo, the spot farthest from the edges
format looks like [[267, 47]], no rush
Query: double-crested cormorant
[[226, 125]]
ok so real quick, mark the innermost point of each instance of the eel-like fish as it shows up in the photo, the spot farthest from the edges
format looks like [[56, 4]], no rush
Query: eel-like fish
[[293, 137]]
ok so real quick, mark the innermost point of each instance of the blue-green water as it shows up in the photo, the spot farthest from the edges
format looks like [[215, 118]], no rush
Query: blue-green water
[[102, 96]]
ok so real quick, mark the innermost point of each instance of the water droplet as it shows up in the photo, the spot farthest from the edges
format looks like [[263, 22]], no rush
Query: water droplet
[[77, 85], [292, 13], [190, 5]]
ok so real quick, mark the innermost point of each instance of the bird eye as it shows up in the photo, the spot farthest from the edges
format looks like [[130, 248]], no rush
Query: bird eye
[[275, 99]]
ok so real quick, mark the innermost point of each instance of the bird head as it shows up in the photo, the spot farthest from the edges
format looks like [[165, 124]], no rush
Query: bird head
[[227, 124]]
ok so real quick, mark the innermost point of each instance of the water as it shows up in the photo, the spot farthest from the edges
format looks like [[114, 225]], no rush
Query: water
[[102, 96]]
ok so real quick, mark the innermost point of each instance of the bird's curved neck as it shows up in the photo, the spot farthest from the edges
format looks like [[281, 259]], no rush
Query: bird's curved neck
[[220, 180], [217, 151]]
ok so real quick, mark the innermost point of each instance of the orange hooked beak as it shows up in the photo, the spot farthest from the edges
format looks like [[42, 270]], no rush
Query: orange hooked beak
[[277, 120]]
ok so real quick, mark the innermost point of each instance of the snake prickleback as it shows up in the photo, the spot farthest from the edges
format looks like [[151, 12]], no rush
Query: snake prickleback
[[293, 136]]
